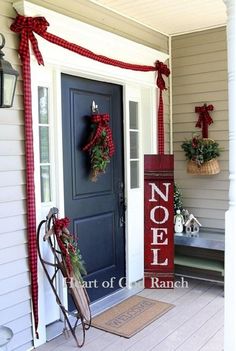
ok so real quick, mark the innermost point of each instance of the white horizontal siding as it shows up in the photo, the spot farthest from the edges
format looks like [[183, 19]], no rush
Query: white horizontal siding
[[14, 239], [12, 254], [12, 224], [12, 163], [21, 327], [12, 208], [12, 193], [15, 283], [15, 306], [12, 116], [14, 312], [11, 132], [10, 269], [12, 148], [12, 179], [200, 76], [25, 337], [14, 298]]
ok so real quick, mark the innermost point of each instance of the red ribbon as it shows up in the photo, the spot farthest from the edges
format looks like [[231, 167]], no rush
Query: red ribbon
[[162, 69], [204, 119], [102, 125], [58, 226], [27, 26]]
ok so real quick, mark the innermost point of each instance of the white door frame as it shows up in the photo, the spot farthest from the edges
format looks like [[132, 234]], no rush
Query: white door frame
[[137, 86]]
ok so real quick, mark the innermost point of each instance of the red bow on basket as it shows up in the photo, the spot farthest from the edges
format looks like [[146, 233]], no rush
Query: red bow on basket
[[101, 146], [204, 119]]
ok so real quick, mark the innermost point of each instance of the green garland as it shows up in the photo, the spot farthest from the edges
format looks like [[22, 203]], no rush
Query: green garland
[[99, 156], [200, 150]]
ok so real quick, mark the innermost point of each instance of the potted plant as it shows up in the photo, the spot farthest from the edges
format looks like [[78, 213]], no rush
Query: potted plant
[[202, 154]]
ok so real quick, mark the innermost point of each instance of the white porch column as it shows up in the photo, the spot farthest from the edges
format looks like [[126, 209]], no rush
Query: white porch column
[[230, 233]]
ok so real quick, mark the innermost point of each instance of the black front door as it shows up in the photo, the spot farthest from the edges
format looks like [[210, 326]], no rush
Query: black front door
[[94, 208]]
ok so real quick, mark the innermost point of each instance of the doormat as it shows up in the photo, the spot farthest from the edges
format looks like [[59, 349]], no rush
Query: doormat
[[130, 316]]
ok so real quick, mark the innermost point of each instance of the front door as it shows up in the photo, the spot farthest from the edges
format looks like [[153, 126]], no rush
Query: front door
[[94, 208]]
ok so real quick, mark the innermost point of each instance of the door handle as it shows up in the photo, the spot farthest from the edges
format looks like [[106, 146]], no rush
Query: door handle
[[122, 205], [122, 201]]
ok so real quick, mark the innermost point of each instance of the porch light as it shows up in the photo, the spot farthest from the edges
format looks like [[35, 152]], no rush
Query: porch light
[[8, 77]]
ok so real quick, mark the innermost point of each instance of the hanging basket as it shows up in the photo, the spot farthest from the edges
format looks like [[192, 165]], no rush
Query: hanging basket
[[207, 168]]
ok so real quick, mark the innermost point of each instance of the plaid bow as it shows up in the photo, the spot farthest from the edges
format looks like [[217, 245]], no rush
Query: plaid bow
[[204, 119], [27, 26], [162, 69]]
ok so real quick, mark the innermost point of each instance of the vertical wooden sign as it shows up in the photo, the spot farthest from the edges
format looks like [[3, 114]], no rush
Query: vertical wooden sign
[[158, 221]]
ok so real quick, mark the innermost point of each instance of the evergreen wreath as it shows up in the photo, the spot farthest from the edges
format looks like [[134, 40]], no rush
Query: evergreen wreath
[[101, 146]]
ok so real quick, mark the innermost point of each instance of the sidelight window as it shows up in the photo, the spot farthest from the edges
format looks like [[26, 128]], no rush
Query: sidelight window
[[134, 134], [44, 147]]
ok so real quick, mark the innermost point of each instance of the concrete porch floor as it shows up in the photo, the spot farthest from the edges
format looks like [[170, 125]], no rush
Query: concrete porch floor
[[196, 323]]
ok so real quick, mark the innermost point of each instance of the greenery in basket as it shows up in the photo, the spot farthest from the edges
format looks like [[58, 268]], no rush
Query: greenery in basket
[[201, 150]]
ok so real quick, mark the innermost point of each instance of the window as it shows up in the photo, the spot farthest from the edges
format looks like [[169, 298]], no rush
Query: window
[[44, 147], [134, 144]]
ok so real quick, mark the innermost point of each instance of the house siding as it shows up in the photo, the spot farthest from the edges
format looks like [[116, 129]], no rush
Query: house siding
[[15, 308], [199, 65]]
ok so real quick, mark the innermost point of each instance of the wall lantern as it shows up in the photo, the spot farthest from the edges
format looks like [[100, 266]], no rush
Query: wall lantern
[[8, 77]]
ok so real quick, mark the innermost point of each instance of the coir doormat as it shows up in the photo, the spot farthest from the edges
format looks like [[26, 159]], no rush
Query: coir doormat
[[130, 316]]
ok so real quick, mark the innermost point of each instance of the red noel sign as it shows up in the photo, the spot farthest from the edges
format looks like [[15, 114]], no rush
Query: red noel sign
[[158, 221]]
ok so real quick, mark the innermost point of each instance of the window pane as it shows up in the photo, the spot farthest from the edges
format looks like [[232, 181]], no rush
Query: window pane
[[134, 145], [133, 115], [45, 183], [43, 105], [134, 174], [44, 144]]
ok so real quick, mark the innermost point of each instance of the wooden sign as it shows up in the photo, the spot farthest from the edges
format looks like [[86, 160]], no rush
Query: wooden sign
[[158, 221]]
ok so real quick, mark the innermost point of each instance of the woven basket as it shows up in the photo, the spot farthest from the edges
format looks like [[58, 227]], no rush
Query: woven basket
[[207, 168]]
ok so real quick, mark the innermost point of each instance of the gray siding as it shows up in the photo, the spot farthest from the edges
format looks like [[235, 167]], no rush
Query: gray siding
[[200, 76], [15, 309]]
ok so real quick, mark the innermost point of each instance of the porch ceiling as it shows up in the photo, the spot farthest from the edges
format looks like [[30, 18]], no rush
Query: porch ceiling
[[172, 16]]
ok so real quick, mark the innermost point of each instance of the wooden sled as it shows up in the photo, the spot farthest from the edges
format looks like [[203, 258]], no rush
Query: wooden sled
[[82, 314]]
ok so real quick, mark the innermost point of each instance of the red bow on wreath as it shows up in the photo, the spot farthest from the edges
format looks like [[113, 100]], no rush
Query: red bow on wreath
[[101, 146], [204, 119]]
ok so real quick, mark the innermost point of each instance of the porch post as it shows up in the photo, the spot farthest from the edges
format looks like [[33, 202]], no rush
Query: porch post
[[230, 218]]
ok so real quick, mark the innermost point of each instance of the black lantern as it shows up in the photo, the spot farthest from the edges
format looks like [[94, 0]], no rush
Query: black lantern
[[8, 77]]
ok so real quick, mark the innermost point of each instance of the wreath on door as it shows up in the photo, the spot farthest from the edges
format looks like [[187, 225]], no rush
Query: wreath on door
[[100, 145]]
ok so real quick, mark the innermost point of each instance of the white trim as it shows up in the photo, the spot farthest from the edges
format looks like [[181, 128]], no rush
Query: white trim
[[58, 60]]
